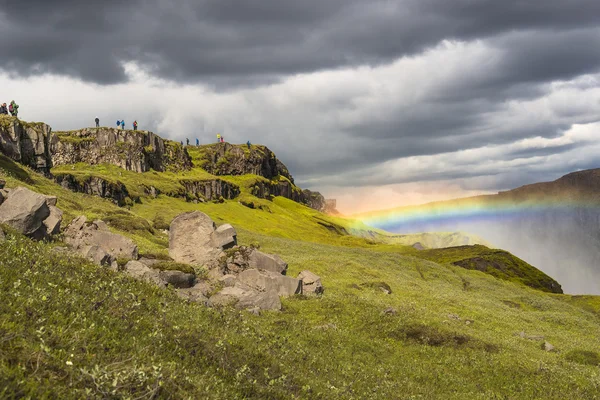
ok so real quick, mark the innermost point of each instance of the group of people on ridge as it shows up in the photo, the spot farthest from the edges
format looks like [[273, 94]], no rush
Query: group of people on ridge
[[121, 124], [13, 109]]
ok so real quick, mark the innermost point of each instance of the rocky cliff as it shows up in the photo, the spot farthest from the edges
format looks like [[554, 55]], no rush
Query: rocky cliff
[[26, 143], [228, 159], [137, 151], [284, 188]]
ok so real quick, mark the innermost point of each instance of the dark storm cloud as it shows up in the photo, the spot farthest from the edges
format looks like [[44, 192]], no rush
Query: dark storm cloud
[[207, 40]]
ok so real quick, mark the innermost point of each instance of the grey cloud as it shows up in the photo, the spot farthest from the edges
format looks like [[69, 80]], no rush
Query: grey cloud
[[207, 40]]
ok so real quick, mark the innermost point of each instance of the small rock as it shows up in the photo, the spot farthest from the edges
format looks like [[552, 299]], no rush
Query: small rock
[[178, 279], [547, 346], [97, 255], [139, 271], [54, 220], [268, 262], [454, 317], [311, 283], [469, 321], [196, 294], [418, 246], [390, 311], [254, 310], [224, 237]]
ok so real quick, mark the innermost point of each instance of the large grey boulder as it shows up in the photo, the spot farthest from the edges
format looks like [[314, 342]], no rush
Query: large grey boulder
[[139, 271], [80, 234], [178, 279], [190, 239], [268, 262], [266, 281], [25, 211], [311, 283]]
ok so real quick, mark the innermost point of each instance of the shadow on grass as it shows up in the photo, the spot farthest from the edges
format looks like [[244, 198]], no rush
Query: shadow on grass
[[11, 168]]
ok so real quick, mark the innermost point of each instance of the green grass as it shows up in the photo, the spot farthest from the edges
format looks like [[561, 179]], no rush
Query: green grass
[[73, 330]]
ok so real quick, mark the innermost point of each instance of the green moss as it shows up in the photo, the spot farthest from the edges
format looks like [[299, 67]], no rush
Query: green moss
[[174, 266]]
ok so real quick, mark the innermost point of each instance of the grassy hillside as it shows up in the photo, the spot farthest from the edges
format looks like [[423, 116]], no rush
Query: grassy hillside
[[74, 330]]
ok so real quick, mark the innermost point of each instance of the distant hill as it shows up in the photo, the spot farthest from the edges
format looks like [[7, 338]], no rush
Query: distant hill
[[552, 225]]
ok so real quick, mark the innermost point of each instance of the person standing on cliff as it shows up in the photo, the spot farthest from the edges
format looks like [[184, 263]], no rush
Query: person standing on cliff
[[97, 122], [135, 125], [197, 142], [3, 109], [187, 141], [123, 124], [218, 138], [13, 108]]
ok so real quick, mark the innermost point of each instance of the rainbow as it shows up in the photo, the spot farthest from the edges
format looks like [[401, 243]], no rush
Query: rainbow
[[474, 209]]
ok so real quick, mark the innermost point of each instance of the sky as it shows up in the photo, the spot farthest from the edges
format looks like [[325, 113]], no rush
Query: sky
[[377, 104]]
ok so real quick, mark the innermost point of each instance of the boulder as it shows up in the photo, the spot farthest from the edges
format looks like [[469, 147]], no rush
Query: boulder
[[2, 183], [1, 197], [266, 281], [268, 262], [244, 298], [97, 255], [192, 295], [547, 346], [52, 223], [226, 297], [190, 239], [80, 234], [228, 280], [25, 211], [178, 279], [418, 246], [311, 283], [139, 271], [224, 237]]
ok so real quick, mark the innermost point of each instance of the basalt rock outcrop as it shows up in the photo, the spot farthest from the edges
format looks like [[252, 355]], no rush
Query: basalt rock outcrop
[[284, 188], [228, 159], [210, 189], [26, 143], [137, 151], [95, 186]]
